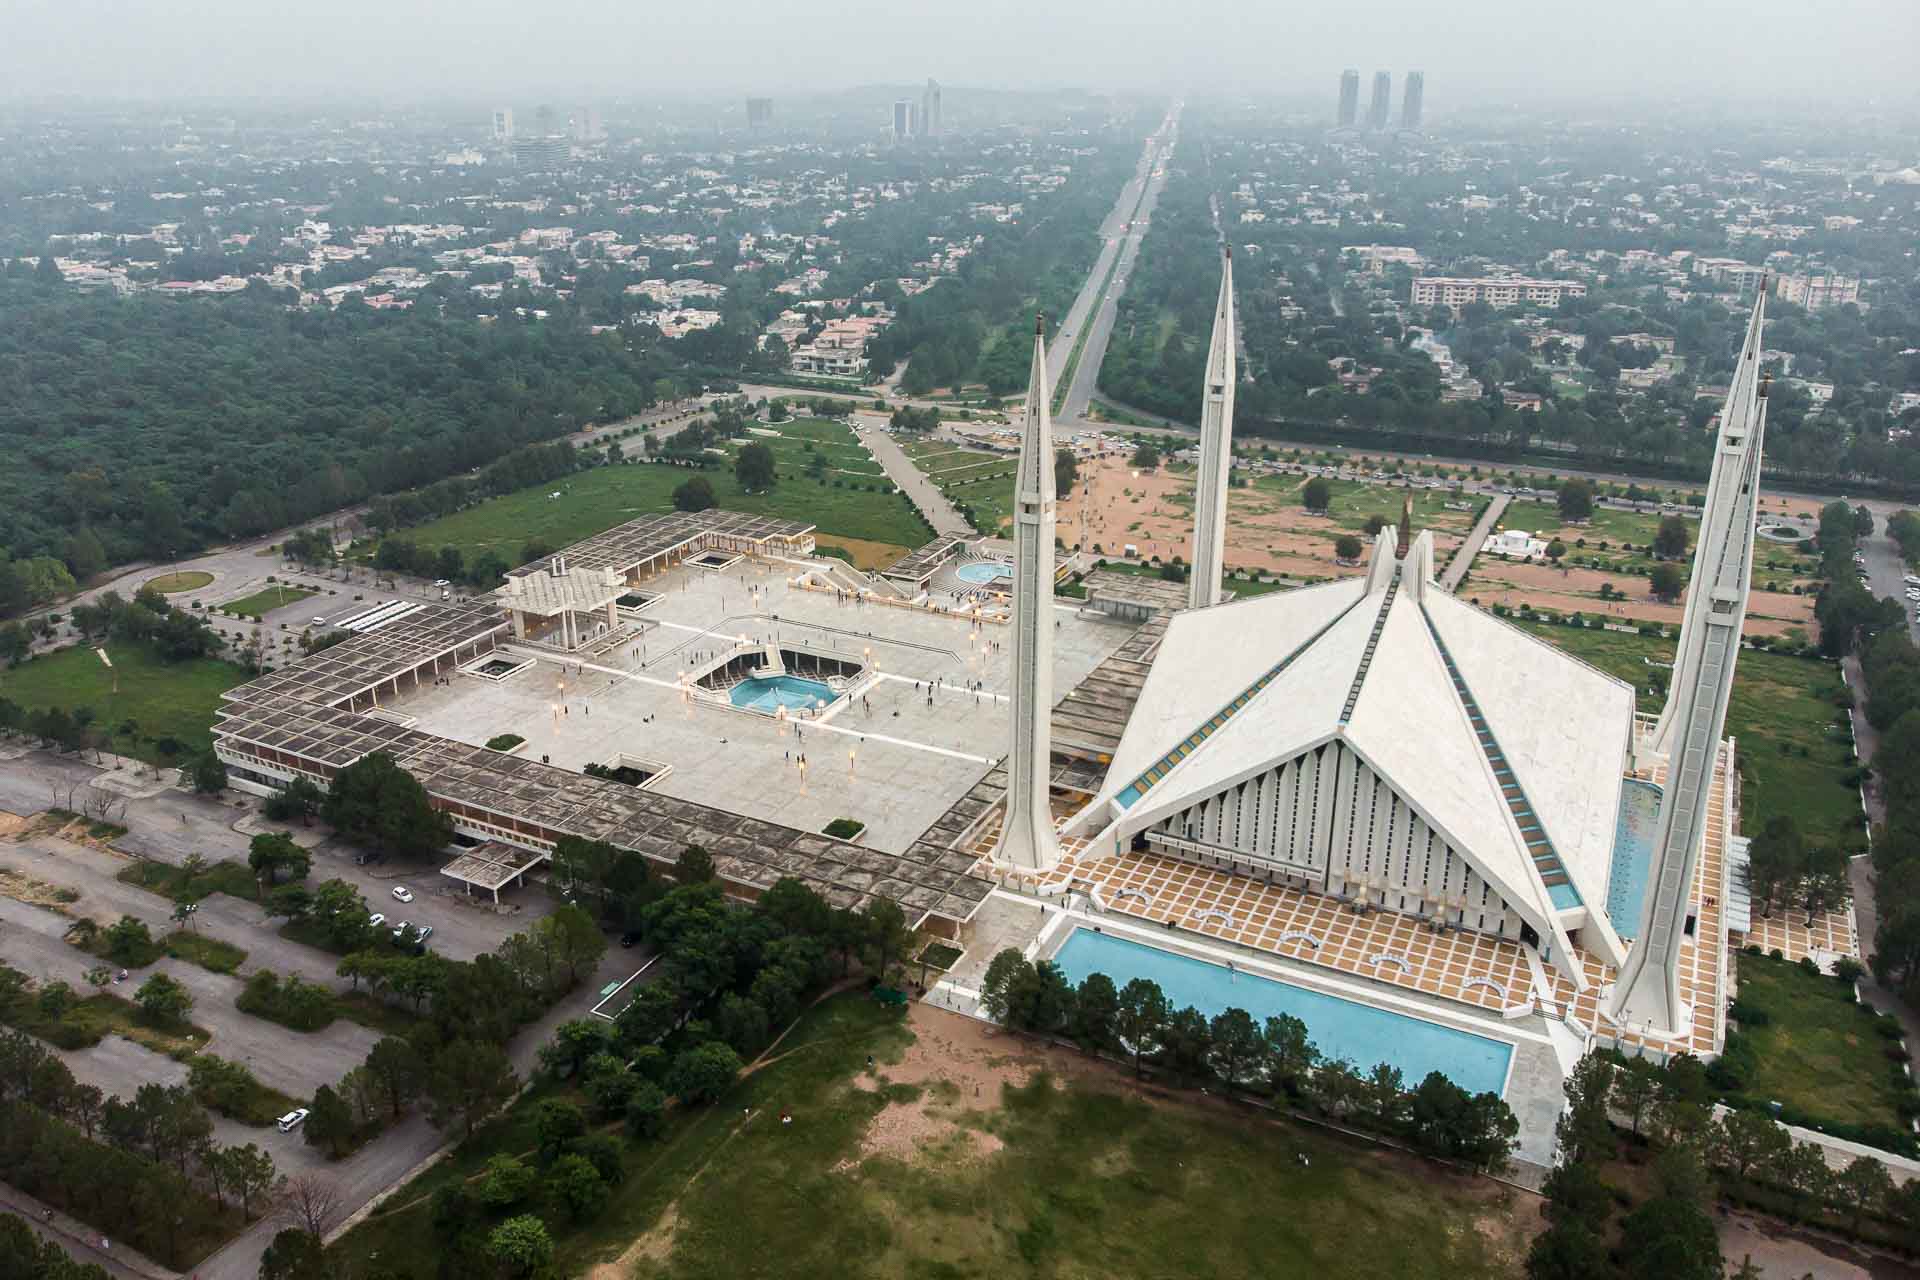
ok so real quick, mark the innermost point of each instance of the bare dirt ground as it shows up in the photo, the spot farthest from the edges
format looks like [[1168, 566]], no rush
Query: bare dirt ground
[[1494, 581], [959, 1065], [11, 823], [1791, 1254], [867, 555], [1153, 510]]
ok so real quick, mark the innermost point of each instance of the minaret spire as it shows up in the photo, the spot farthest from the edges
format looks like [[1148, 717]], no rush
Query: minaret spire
[[1647, 994], [1026, 836], [1216, 451]]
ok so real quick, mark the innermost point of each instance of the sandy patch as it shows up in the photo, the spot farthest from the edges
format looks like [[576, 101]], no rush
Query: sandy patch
[[959, 1065], [34, 892], [1571, 590], [1153, 511], [11, 823], [866, 555], [655, 1246]]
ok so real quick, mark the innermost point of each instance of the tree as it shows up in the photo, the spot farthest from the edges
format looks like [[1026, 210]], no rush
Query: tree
[[1239, 1050], [1575, 499], [521, 1245], [1671, 538], [1145, 456], [1742, 1141], [1556, 549], [209, 774], [646, 1111], [1317, 494], [753, 468], [1864, 1187], [1290, 1055], [129, 942], [1066, 471], [1635, 1086], [162, 999], [397, 1071], [310, 1203], [507, 1181], [695, 495], [578, 1185], [1666, 582], [342, 912], [887, 934], [703, 1074], [271, 852], [294, 1254], [556, 1122], [249, 1174], [694, 866], [376, 803], [329, 1123], [1671, 1236], [997, 985], [1095, 1006], [573, 1043], [468, 1082], [1140, 1021], [1347, 547]]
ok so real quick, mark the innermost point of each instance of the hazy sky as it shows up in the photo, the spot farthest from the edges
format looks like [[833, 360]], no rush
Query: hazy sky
[[1855, 53]]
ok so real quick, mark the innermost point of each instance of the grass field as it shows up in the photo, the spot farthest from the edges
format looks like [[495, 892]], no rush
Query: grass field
[[1080, 1179], [260, 602], [95, 1017], [606, 496], [1775, 566], [209, 953], [168, 584], [163, 699], [1819, 1052], [1793, 754], [1353, 502]]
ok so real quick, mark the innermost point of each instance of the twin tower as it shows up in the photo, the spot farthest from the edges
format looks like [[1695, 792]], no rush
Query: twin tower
[[1027, 838]]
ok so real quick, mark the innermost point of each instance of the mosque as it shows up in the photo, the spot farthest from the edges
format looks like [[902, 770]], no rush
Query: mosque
[[1374, 758]]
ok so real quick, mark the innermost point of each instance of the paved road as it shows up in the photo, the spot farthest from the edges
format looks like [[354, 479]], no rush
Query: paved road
[[1467, 550], [914, 482], [1125, 226]]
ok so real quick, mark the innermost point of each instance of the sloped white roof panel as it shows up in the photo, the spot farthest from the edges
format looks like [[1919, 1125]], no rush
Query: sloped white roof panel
[[1411, 726], [1564, 726], [1296, 710], [1209, 657]]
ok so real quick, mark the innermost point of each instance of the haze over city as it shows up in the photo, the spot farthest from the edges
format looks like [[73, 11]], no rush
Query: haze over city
[[1851, 54]]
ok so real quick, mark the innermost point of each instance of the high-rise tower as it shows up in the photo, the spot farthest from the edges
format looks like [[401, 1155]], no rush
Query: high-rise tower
[[1027, 838], [1413, 101], [1647, 994], [1216, 451], [930, 110], [1349, 98], [1380, 106]]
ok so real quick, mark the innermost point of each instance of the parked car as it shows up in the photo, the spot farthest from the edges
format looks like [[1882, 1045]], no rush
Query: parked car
[[375, 920], [402, 894], [401, 930], [291, 1121]]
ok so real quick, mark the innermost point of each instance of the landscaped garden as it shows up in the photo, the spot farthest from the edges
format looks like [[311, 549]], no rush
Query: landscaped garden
[[262, 602], [157, 711]]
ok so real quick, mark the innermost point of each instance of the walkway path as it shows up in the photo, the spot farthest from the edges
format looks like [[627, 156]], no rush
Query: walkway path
[[1463, 556], [915, 483]]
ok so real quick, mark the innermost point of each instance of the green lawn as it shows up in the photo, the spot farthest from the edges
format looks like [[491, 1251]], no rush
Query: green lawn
[[1793, 754], [260, 602], [1090, 1182], [1819, 1052], [164, 700], [606, 496], [1353, 502], [208, 953]]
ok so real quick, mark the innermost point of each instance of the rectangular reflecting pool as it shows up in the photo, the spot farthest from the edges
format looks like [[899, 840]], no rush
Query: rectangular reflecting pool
[[1362, 1034]]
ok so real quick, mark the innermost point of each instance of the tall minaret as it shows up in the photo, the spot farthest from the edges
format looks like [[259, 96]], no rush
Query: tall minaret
[[1647, 995], [1216, 452], [1027, 837]]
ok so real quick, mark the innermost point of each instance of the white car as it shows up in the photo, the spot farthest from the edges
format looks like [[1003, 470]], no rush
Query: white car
[[402, 894], [441, 582], [375, 920], [291, 1121]]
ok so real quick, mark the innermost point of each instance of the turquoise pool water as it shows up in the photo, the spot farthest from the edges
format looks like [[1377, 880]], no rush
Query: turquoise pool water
[[1359, 1033], [983, 572], [766, 694], [1633, 836]]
